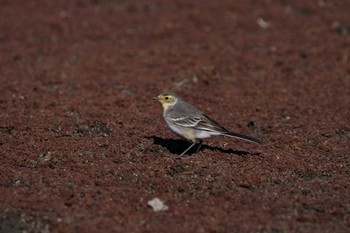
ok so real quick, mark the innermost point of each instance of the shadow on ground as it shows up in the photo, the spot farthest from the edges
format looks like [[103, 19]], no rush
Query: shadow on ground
[[177, 146]]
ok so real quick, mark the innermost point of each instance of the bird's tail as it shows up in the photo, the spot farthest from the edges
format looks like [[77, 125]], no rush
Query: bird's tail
[[244, 137]]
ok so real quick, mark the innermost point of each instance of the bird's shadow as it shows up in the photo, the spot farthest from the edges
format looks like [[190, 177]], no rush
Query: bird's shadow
[[177, 146]]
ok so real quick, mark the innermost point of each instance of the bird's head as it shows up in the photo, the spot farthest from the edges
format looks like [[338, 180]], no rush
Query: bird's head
[[167, 99]]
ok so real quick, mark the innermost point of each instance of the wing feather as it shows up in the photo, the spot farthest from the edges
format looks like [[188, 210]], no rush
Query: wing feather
[[202, 122], [185, 121]]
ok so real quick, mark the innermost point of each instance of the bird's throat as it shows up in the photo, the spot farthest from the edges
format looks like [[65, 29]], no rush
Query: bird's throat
[[165, 106]]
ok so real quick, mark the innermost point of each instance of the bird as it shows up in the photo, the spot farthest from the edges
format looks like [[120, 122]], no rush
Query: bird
[[189, 123]]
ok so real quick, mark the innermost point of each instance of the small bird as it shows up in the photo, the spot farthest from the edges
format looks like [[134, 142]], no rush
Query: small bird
[[189, 123]]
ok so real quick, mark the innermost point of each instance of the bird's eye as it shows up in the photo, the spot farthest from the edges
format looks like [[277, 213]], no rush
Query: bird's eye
[[166, 98]]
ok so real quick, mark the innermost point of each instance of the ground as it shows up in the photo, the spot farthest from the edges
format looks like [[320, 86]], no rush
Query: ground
[[83, 147]]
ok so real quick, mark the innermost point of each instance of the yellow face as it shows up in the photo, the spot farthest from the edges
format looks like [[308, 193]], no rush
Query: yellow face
[[166, 100]]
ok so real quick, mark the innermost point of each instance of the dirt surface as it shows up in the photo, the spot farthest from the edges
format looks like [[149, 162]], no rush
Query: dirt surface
[[84, 147]]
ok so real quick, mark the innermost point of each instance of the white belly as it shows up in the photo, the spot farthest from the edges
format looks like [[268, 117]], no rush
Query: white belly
[[190, 134]]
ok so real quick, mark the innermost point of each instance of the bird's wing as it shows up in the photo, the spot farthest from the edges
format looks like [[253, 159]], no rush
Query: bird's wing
[[202, 122], [209, 124], [189, 122]]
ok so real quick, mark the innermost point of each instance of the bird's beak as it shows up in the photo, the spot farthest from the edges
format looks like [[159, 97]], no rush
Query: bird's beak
[[155, 97]]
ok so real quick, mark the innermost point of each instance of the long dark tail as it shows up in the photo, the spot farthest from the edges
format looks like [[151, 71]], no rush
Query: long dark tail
[[244, 137]]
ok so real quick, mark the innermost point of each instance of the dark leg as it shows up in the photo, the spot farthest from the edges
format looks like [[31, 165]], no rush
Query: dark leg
[[188, 149], [199, 145]]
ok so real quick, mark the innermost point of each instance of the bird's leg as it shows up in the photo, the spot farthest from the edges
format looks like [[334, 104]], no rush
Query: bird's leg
[[194, 143], [199, 145]]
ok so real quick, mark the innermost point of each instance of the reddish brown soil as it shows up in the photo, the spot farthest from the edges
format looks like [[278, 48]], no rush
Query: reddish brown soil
[[84, 148]]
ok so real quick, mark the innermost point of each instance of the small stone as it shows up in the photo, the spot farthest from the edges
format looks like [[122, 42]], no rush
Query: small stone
[[262, 23], [157, 205]]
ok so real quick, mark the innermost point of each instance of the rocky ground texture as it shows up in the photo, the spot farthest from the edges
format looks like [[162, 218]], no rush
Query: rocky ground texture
[[84, 148]]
